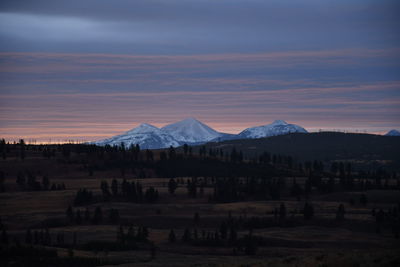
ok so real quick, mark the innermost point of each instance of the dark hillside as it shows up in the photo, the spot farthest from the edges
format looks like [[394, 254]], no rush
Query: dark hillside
[[365, 149]]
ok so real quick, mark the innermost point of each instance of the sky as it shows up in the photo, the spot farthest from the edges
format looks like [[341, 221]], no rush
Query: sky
[[85, 70]]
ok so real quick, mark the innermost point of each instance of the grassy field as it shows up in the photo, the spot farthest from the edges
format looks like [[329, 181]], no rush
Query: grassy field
[[321, 241]]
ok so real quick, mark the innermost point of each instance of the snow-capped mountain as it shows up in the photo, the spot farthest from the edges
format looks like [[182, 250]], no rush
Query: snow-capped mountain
[[393, 133], [145, 135], [190, 131], [278, 127]]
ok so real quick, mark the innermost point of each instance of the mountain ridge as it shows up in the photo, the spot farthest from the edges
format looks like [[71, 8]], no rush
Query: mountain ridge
[[192, 132]]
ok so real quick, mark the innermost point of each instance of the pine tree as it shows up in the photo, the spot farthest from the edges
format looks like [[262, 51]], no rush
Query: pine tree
[[223, 229], [22, 148], [98, 215], [121, 235], [78, 218], [186, 236], [87, 215], [114, 187], [45, 182], [308, 211], [196, 218], [70, 214], [340, 213], [172, 237], [172, 185], [28, 237]]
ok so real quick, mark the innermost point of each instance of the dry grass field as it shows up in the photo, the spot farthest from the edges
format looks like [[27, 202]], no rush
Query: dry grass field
[[321, 241]]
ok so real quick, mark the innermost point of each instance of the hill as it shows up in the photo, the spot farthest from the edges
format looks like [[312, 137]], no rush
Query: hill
[[364, 149]]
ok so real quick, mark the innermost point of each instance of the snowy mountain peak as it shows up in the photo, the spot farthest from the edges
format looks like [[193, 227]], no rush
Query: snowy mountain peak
[[145, 135], [278, 127], [279, 122], [190, 120], [143, 128], [190, 130], [393, 133]]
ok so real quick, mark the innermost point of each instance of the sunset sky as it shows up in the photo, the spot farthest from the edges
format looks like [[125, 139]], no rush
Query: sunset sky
[[84, 70]]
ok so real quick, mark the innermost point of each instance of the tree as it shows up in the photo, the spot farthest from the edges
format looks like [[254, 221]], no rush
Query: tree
[[172, 185], [47, 238], [78, 217], [232, 235], [105, 190], [223, 229], [186, 236], [28, 237], [4, 237], [171, 152], [340, 213], [113, 216], [185, 149], [2, 186], [70, 214], [153, 250], [282, 212], [149, 155], [196, 218], [3, 149], [130, 236], [121, 235], [151, 195], [172, 237], [363, 199], [114, 187], [98, 215], [22, 148], [45, 182], [87, 215], [74, 240], [308, 211], [21, 182]]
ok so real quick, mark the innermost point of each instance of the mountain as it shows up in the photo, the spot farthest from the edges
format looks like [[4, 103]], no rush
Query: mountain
[[278, 127], [393, 133], [191, 131], [145, 135]]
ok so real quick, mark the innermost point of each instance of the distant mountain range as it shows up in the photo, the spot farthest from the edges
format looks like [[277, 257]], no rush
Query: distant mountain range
[[192, 132], [393, 133]]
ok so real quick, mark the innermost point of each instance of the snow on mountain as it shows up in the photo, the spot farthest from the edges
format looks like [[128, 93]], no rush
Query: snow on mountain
[[278, 127], [191, 130], [393, 133], [145, 135]]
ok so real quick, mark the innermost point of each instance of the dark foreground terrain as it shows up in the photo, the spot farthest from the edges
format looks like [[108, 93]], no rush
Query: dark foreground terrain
[[81, 205]]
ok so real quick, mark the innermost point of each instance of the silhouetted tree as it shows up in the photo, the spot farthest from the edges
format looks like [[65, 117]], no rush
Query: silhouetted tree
[[98, 215], [196, 218], [308, 211], [70, 214], [28, 237], [172, 237], [22, 148], [363, 199], [113, 216], [45, 182], [340, 213], [114, 187], [172, 185], [78, 217], [186, 235]]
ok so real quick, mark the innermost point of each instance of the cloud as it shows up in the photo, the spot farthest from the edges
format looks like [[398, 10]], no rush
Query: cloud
[[187, 27], [96, 67]]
